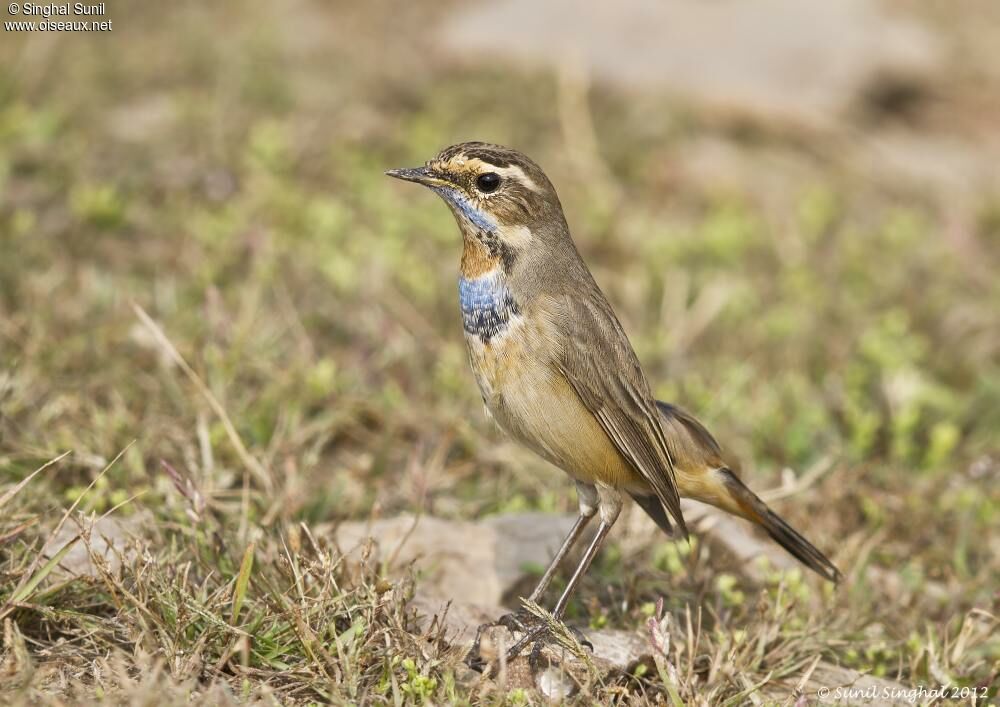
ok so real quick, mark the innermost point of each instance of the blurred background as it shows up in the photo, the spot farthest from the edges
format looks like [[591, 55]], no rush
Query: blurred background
[[793, 206]]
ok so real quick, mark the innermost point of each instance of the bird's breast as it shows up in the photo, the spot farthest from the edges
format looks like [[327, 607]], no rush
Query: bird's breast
[[512, 353], [488, 306], [497, 332]]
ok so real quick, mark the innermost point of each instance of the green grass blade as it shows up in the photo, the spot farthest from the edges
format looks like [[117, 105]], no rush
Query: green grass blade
[[242, 582], [13, 491], [43, 572]]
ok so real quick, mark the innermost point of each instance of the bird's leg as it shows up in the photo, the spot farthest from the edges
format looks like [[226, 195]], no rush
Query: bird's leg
[[610, 506], [521, 621], [518, 620], [587, 496], [595, 545], [589, 500]]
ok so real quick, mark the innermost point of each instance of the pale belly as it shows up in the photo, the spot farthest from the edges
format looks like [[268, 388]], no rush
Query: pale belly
[[533, 402]]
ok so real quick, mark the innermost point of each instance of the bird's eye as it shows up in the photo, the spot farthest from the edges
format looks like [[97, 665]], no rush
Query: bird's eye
[[488, 182]]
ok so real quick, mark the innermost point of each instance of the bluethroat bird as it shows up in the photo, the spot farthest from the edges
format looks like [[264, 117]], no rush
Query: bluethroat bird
[[556, 370]]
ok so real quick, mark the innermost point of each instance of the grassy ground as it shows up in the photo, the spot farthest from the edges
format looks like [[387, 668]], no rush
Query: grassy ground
[[301, 364]]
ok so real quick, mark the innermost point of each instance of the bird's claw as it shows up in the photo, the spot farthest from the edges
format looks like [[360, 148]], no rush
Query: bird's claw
[[520, 621], [581, 638], [473, 659], [527, 628], [541, 635]]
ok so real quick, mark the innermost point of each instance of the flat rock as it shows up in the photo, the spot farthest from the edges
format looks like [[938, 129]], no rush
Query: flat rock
[[804, 60], [470, 562], [478, 563], [459, 619]]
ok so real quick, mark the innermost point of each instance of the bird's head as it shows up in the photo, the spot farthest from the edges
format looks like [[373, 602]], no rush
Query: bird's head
[[501, 199]]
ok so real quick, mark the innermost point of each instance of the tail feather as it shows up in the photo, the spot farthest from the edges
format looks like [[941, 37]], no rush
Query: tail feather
[[756, 510], [694, 448], [654, 509]]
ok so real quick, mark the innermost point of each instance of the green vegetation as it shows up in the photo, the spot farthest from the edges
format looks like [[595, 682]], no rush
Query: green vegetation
[[230, 186]]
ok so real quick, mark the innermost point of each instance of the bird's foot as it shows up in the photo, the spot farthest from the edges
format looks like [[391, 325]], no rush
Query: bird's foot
[[517, 623], [542, 635], [520, 621], [528, 629]]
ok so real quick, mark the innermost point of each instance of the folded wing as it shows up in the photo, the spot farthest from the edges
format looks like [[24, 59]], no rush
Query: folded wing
[[600, 365]]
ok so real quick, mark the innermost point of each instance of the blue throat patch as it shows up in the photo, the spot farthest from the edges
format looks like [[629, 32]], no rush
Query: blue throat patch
[[487, 306], [475, 216]]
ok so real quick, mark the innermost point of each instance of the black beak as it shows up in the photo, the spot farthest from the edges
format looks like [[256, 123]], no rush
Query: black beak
[[420, 175]]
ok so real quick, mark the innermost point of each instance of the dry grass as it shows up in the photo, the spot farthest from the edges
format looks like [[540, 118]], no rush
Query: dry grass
[[229, 183]]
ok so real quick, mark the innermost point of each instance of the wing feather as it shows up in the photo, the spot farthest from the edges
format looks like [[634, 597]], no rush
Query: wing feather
[[600, 365]]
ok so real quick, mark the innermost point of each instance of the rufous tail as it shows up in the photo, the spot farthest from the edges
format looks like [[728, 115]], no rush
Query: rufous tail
[[756, 511]]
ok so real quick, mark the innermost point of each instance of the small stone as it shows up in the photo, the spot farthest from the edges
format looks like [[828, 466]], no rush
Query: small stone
[[555, 684]]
